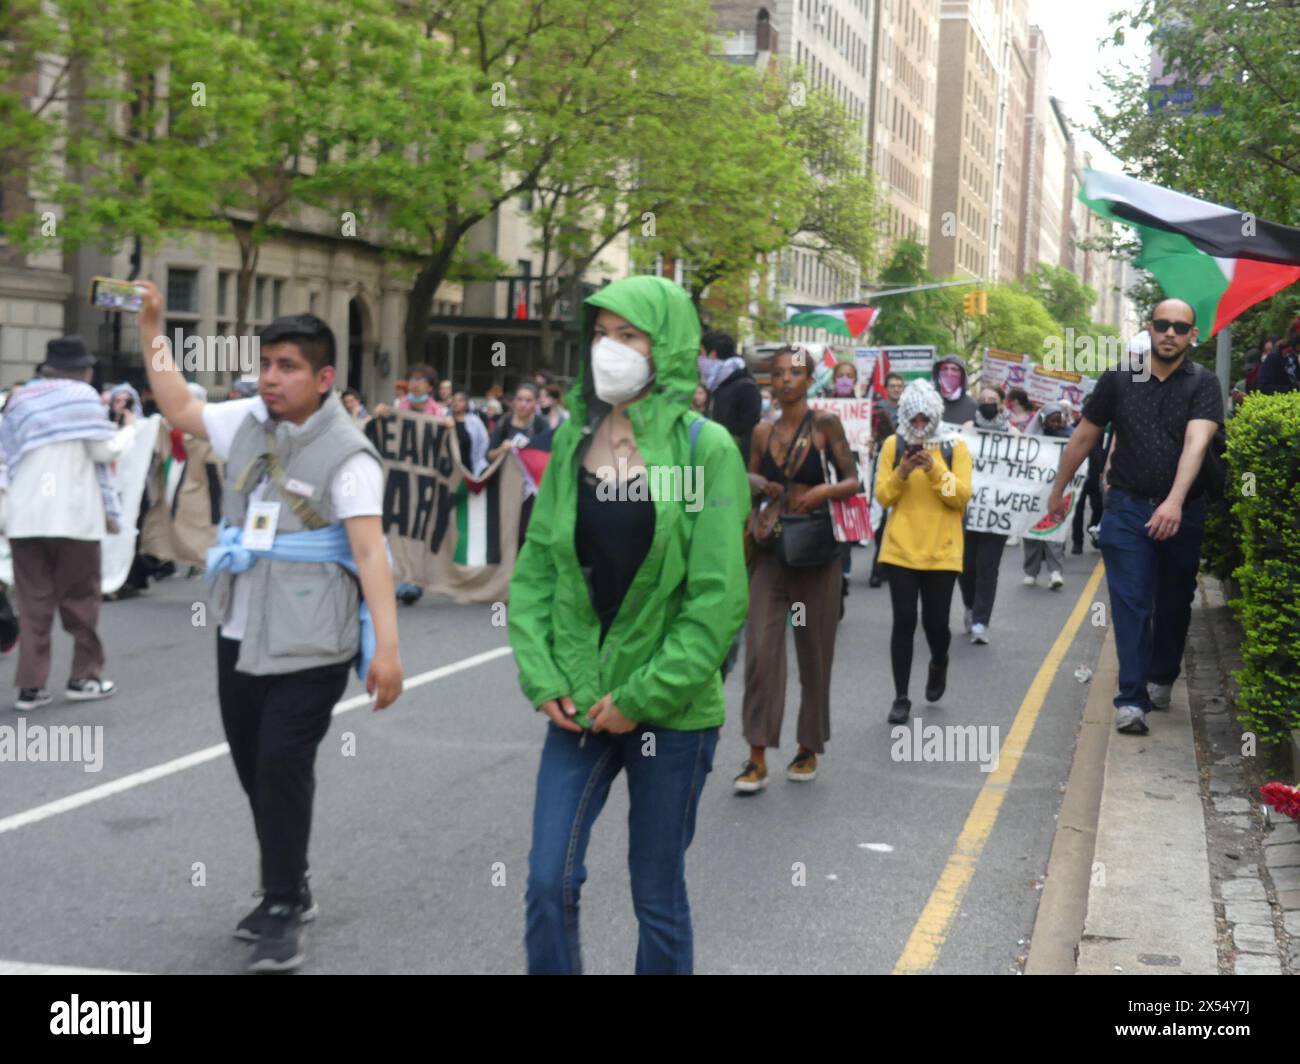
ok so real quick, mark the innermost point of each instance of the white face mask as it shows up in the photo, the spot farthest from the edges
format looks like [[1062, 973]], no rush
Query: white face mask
[[620, 372]]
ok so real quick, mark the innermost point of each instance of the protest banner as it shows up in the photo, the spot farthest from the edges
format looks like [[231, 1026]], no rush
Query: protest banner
[[909, 362], [1052, 385], [854, 415], [1006, 369], [1011, 479], [185, 500], [449, 533], [117, 550]]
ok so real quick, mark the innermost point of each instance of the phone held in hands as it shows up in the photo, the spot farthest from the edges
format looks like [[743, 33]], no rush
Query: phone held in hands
[[113, 295]]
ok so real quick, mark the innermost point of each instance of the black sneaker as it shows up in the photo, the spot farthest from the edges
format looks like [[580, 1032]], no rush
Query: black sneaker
[[1077, 549], [278, 949], [32, 698], [937, 682], [250, 928], [898, 713], [90, 690]]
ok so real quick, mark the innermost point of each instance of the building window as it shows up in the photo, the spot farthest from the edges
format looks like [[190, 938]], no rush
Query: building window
[[277, 294], [225, 291], [183, 291]]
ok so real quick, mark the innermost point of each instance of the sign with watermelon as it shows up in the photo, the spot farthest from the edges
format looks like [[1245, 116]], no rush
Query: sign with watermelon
[[1011, 479]]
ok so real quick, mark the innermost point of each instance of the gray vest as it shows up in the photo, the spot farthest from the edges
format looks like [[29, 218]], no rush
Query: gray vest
[[301, 615]]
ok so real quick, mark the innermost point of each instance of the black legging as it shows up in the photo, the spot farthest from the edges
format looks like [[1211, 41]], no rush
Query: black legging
[[934, 587]]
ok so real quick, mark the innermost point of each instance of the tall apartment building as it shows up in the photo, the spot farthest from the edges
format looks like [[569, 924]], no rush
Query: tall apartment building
[[1009, 136], [1054, 212], [831, 41], [904, 84], [966, 123], [1037, 114]]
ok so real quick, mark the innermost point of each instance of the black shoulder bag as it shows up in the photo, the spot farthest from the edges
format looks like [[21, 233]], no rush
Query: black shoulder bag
[[806, 540]]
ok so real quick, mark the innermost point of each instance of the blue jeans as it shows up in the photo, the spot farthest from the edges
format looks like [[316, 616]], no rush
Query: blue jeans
[[572, 786], [1152, 584]]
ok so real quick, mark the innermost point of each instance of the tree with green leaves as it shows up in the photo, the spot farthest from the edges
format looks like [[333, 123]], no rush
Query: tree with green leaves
[[1061, 293], [913, 317]]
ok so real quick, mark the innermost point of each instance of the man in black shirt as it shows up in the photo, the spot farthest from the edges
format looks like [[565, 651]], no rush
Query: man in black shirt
[[1163, 419]]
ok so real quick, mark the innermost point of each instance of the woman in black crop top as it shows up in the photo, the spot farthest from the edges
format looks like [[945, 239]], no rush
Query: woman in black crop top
[[800, 443]]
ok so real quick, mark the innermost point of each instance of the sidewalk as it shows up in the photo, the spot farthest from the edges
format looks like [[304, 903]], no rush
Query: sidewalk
[[1164, 861]]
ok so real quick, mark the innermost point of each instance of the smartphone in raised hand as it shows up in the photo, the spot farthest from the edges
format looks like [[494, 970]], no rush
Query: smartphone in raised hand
[[106, 293]]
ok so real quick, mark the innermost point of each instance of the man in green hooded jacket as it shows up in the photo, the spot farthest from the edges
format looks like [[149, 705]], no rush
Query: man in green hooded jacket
[[623, 604]]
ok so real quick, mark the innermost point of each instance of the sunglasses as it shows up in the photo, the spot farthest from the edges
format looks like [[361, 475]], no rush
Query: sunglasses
[[1181, 328]]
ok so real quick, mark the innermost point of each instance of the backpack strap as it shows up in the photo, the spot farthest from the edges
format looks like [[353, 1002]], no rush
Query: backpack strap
[[695, 428]]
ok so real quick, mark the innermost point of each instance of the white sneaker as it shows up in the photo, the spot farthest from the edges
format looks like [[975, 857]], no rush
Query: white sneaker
[[1131, 719], [969, 614], [1160, 694], [1030, 581], [1014, 541], [90, 690], [979, 634], [1057, 581]]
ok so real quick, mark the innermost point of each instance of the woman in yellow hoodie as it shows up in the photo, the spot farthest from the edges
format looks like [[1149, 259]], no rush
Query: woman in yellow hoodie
[[923, 478]]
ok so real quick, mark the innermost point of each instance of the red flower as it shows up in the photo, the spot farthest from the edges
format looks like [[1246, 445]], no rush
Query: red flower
[[1283, 798]]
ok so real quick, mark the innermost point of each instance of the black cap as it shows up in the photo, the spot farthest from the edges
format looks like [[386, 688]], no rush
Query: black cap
[[68, 352]]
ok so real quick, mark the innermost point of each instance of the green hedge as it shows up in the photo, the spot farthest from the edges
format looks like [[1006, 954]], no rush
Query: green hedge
[[1263, 532]]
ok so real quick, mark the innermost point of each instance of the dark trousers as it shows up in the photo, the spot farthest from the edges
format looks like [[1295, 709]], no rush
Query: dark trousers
[[933, 587], [666, 771], [1091, 494], [1152, 584], [876, 573], [773, 589], [57, 574], [273, 725], [981, 558]]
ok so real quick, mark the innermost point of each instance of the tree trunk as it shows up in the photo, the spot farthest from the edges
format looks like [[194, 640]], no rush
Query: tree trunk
[[248, 255], [419, 305]]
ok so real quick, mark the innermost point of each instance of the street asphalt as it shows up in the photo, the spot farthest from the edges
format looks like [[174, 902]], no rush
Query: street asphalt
[[423, 811]]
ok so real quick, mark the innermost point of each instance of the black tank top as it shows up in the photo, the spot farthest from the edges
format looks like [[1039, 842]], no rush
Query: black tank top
[[809, 472]]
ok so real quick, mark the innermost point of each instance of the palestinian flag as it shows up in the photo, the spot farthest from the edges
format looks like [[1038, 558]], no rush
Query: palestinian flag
[[1220, 260], [843, 319], [533, 460], [478, 522]]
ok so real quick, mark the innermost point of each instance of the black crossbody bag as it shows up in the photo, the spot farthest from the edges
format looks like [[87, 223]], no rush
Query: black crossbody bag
[[806, 540]]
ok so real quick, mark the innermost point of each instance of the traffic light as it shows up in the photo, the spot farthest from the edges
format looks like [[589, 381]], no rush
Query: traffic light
[[976, 302]]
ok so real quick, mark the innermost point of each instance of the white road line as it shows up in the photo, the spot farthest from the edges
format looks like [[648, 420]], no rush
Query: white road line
[[22, 968], [199, 757]]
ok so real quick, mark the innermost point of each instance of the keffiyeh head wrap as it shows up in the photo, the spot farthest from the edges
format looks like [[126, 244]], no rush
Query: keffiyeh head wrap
[[920, 397]]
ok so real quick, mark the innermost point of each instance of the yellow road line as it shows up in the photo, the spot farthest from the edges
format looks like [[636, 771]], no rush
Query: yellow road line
[[931, 930]]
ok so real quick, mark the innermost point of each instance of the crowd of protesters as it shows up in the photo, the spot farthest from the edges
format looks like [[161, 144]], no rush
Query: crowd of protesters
[[626, 613]]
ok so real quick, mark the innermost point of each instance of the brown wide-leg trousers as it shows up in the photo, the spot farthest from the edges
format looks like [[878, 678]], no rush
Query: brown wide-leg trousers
[[56, 574], [773, 590]]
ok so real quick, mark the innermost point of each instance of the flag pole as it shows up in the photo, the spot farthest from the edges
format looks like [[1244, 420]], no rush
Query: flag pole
[[1223, 362]]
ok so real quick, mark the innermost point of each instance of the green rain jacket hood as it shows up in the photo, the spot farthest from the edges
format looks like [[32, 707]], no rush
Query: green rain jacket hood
[[661, 656]]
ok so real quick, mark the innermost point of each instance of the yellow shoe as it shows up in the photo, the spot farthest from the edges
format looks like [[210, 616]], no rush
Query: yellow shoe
[[803, 769], [752, 778]]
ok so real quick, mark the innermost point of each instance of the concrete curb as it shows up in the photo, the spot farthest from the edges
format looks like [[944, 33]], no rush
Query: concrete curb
[[1064, 905]]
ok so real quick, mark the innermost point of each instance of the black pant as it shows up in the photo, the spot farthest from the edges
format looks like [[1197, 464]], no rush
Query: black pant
[[934, 587], [1091, 493], [880, 538], [979, 574], [273, 725]]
